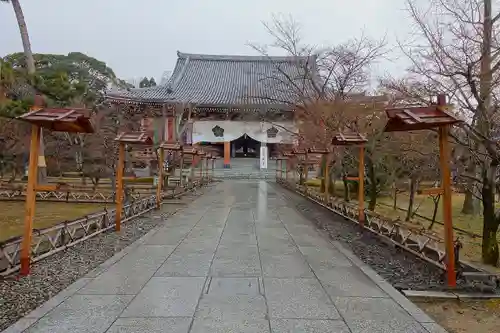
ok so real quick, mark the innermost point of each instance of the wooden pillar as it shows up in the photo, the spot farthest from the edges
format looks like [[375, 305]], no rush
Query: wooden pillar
[[30, 200], [287, 168], [227, 154], [444, 157], [191, 174], [201, 169], [213, 168], [295, 171], [119, 186], [206, 170], [327, 177], [160, 178], [361, 188], [182, 167], [277, 168], [306, 171]]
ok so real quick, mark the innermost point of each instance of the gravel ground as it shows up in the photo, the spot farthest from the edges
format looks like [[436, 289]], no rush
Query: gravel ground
[[403, 270], [19, 296]]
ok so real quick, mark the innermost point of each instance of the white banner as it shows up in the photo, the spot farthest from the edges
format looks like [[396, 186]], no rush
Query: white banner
[[263, 157], [228, 130]]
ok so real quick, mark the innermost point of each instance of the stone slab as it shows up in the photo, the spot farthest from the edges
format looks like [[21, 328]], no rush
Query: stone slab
[[58, 299], [130, 274], [191, 264], [167, 297], [285, 265], [82, 314], [348, 281], [376, 315], [324, 258], [236, 261], [234, 286], [228, 307], [298, 298], [230, 325], [151, 325], [308, 326], [168, 236]]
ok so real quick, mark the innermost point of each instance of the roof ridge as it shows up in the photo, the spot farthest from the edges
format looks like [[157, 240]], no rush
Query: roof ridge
[[222, 57]]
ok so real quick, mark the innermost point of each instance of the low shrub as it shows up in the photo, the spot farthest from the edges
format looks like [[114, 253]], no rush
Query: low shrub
[[141, 180]]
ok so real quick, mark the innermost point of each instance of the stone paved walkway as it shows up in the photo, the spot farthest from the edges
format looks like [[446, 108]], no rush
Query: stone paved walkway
[[239, 259]]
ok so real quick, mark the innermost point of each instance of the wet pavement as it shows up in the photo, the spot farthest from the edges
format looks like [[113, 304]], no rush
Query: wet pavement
[[238, 259]]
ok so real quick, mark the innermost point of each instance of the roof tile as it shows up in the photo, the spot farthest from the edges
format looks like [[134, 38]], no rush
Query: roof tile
[[212, 80]]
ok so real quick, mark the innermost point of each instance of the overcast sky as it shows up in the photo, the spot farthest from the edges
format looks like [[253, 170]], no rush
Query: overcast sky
[[140, 38]]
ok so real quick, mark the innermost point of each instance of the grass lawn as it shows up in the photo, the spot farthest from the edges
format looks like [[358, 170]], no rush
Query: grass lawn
[[46, 215], [463, 317]]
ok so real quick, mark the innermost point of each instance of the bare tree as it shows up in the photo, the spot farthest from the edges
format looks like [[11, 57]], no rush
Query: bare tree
[[328, 87], [455, 50]]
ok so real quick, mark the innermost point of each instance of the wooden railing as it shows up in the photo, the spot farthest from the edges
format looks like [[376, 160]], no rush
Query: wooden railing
[[59, 237]]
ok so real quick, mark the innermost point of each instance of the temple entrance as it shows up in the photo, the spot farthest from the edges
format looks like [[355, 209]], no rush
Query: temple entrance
[[245, 146]]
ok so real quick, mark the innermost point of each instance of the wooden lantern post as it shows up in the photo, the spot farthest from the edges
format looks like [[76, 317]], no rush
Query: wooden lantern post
[[281, 168], [288, 155], [202, 155], [189, 150], [325, 152], [208, 157], [168, 146], [356, 139], [416, 118], [159, 185], [126, 138], [57, 120], [294, 169], [181, 167], [214, 158], [277, 170]]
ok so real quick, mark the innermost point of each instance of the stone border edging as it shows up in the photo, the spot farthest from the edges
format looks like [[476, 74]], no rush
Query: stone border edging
[[447, 295], [414, 311]]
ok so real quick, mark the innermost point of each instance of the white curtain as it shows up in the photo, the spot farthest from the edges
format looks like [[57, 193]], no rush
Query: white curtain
[[203, 131]]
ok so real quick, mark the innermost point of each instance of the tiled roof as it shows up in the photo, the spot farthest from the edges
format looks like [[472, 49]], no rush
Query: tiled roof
[[221, 80]]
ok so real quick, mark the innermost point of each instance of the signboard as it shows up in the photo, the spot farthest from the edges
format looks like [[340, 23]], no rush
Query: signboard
[[263, 157]]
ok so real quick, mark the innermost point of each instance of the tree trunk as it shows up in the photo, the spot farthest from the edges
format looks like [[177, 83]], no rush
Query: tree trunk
[[322, 173], [490, 220], [490, 252], [372, 203], [413, 189], [30, 67], [23, 29], [434, 212], [331, 183], [395, 197], [471, 203]]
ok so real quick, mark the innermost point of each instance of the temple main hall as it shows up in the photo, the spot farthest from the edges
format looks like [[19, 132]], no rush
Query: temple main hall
[[232, 106]]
